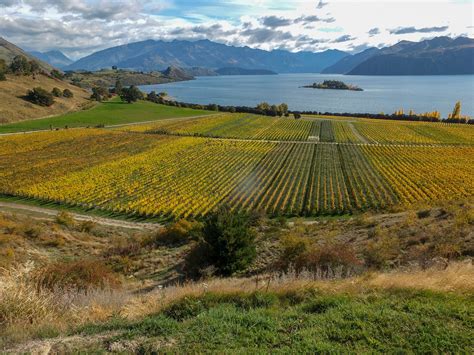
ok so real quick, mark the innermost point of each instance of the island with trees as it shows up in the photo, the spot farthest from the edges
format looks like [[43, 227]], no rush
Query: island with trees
[[334, 85]]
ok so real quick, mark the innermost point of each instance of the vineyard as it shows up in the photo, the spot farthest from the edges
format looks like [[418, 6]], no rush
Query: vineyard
[[254, 127], [168, 176]]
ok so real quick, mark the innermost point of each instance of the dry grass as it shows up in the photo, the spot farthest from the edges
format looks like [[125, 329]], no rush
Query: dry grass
[[457, 277], [13, 108], [25, 306]]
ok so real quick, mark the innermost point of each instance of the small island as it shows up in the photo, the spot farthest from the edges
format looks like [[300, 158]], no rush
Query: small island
[[333, 85]]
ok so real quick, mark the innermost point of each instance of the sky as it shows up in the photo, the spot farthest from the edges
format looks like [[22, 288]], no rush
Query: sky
[[81, 27]]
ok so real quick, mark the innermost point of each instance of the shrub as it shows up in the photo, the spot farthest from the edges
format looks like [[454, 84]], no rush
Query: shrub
[[3, 70], [40, 96], [131, 94], [82, 275], [227, 242], [68, 93], [57, 74], [328, 260], [65, 219], [57, 92], [177, 234], [87, 226], [292, 247], [382, 251]]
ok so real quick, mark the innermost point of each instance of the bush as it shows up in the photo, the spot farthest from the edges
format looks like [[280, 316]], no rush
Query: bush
[[57, 74], [179, 233], [65, 219], [3, 70], [68, 93], [40, 96], [57, 92], [82, 275], [227, 242], [131, 94], [329, 259]]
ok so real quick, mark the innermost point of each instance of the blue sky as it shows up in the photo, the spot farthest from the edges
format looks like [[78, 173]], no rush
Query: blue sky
[[79, 27]]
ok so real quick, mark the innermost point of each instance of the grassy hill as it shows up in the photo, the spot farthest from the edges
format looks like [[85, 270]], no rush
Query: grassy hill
[[8, 51], [113, 112], [14, 108]]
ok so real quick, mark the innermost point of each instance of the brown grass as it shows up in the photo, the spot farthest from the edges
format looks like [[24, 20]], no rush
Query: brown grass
[[25, 306], [13, 108]]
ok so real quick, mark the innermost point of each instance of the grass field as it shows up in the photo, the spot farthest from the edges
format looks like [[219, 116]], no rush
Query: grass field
[[165, 176], [113, 112]]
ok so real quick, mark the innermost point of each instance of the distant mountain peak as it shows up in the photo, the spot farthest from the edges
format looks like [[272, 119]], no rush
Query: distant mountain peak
[[153, 55]]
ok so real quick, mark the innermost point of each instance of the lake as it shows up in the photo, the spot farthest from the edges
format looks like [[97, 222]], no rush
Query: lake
[[381, 93]]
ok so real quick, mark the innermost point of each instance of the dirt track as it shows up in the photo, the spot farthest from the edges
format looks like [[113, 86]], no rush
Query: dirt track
[[42, 213]]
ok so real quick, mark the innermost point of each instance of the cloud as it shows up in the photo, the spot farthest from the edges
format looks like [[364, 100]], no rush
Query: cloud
[[407, 30], [262, 35], [312, 19], [321, 4], [374, 31], [274, 21], [344, 38]]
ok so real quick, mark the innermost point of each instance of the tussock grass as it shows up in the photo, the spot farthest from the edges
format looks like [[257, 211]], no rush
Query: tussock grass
[[41, 312]]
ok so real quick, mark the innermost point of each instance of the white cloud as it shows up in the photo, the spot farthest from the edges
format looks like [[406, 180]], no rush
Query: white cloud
[[79, 27]]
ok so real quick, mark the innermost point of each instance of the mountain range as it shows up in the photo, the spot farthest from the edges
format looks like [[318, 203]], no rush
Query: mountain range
[[437, 56], [55, 58], [157, 55]]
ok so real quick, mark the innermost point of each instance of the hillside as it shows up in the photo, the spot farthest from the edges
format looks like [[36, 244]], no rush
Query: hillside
[[438, 56], [153, 55], [76, 285], [348, 63], [8, 51], [55, 58], [108, 77], [14, 108]]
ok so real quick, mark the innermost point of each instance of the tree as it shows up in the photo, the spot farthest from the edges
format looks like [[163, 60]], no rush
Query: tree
[[263, 106], [34, 67], [40, 96], [230, 240], [68, 93], [283, 109], [457, 111], [57, 74], [99, 93], [3, 70], [153, 97], [297, 115], [131, 94], [118, 87], [57, 92], [20, 65]]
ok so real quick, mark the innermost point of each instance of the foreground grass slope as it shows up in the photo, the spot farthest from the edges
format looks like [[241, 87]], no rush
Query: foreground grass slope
[[113, 112], [70, 286], [423, 312], [14, 108]]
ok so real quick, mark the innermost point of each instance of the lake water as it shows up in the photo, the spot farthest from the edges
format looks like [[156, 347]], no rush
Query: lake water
[[381, 93]]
